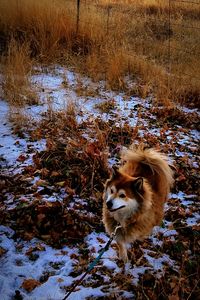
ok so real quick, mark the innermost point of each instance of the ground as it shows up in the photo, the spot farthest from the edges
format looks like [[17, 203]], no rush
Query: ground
[[53, 166]]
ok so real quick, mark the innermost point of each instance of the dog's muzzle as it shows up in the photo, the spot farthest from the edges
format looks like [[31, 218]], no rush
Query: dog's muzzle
[[110, 206]]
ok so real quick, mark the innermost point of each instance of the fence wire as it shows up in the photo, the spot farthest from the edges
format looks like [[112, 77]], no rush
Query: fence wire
[[169, 22], [187, 2]]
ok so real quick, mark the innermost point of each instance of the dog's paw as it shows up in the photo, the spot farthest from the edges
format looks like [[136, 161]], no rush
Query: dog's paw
[[127, 268], [124, 257]]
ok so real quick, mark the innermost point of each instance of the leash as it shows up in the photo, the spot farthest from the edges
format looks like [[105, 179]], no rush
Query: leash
[[94, 262]]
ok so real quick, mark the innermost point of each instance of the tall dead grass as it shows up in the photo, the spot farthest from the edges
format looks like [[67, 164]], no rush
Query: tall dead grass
[[17, 67], [39, 22], [114, 39]]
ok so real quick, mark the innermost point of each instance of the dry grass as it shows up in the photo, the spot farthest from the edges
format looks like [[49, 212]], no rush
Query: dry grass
[[114, 39], [40, 23], [16, 86]]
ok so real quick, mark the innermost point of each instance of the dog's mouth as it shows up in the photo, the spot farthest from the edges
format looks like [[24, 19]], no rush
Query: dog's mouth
[[115, 209]]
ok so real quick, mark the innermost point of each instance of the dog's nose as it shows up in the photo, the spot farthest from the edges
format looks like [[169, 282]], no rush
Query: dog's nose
[[109, 204]]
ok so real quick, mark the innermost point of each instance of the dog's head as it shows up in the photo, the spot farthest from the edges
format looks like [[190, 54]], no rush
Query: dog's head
[[123, 192]]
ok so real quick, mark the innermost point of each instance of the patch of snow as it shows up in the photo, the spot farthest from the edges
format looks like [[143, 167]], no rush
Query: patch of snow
[[136, 272], [179, 196], [16, 266], [188, 110], [195, 220], [157, 262], [11, 146], [195, 134], [83, 293]]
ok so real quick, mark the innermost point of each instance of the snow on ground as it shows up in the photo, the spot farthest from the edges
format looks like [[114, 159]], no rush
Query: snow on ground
[[12, 146], [17, 265], [56, 90], [10, 149], [54, 268]]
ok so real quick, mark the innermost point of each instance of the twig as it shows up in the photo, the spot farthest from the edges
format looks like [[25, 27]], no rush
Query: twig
[[193, 289]]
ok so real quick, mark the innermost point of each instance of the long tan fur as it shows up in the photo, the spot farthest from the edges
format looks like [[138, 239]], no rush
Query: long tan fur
[[153, 168]]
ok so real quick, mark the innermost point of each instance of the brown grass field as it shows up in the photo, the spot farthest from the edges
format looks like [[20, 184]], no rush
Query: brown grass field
[[114, 39]]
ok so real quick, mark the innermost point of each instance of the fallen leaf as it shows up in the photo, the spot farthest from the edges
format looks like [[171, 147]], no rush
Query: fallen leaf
[[101, 241], [30, 284], [41, 182], [2, 251], [40, 217], [55, 174], [28, 235], [61, 183], [21, 158], [29, 251]]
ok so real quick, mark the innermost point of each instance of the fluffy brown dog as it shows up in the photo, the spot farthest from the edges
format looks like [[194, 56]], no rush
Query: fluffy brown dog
[[135, 194]]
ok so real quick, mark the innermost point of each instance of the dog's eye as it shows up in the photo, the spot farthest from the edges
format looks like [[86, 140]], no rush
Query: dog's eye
[[122, 196]]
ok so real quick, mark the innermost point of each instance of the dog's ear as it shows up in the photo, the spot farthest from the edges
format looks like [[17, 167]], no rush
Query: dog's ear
[[115, 172], [138, 184]]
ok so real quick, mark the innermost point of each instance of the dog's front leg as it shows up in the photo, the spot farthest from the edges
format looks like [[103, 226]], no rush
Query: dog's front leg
[[122, 252]]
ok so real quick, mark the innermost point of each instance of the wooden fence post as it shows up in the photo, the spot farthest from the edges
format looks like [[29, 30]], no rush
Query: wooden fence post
[[108, 17], [78, 16]]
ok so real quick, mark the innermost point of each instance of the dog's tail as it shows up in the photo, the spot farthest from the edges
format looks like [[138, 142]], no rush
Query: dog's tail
[[150, 164]]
